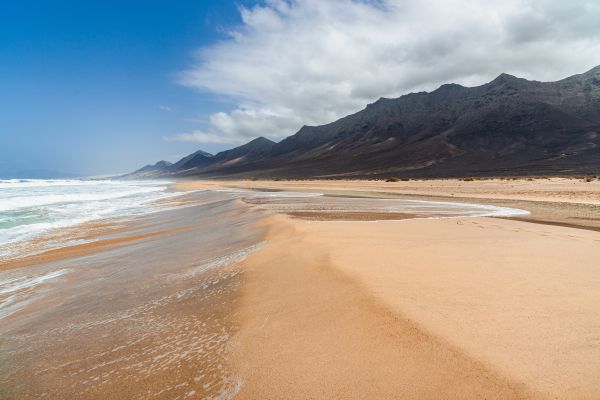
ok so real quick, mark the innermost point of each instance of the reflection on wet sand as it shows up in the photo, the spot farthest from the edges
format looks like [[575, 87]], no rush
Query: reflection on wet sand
[[149, 319]]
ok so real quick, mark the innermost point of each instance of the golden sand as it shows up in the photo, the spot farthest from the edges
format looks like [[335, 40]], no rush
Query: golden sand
[[453, 308], [552, 189]]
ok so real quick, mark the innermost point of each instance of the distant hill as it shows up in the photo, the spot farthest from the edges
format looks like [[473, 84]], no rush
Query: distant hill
[[150, 171], [509, 126], [251, 152]]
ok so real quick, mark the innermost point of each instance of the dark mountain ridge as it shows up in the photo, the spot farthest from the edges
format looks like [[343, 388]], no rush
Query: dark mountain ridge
[[509, 126]]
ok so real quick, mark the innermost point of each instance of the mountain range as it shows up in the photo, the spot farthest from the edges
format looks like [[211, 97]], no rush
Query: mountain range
[[509, 126]]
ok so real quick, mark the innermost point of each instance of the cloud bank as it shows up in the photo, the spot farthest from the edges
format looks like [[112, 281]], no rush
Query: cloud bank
[[310, 62]]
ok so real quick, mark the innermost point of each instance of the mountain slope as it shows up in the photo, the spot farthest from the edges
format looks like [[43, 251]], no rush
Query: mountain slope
[[507, 126], [194, 160], [231, 160], [154, 170]]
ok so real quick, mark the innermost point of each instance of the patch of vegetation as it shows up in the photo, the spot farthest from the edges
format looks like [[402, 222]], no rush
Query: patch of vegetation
[[393, 179]]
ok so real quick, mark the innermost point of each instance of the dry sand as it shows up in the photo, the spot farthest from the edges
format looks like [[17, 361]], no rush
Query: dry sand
[[565, 190], [453, 308]]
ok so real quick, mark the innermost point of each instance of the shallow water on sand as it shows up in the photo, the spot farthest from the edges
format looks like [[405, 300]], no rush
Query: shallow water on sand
[[330, 207], [150, 319]]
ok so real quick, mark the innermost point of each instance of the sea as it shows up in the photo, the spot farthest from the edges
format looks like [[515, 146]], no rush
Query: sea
[[32, 208]]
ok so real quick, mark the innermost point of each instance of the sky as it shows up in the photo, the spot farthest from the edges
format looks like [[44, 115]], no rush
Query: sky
[[93, 87]]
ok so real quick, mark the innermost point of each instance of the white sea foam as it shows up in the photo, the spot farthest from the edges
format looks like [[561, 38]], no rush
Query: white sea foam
[[16, 290], [315, 201], [420, 208], [14, 285], [217, 262], [27, 201], [468, 209], [30, 208]]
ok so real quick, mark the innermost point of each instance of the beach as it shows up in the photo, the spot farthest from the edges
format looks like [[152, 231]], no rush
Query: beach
[[432, 308], [319, 289], [300, 200], [558, 201], [143, 309]]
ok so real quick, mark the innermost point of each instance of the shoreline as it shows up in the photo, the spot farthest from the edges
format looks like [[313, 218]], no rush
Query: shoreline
[[146, 311], [555, 201], [329, 306]]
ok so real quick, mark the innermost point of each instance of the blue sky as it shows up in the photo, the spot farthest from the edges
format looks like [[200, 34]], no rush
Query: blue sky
[[95, 87], [89, 86]]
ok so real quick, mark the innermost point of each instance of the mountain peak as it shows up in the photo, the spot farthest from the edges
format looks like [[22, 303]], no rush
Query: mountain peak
[[163, 164], [505, 78], [449, 87], [261, 140], [259, 143], [202, 153], [158, 167], [200, 157]]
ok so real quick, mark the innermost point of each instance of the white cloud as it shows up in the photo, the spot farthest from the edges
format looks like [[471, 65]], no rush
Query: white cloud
[[203, 137], [165, 108], [312, 61]]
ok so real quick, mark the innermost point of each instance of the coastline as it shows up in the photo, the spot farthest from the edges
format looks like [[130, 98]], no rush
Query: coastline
[[454, 308], [145, 311], [560, 201], [231, 295]]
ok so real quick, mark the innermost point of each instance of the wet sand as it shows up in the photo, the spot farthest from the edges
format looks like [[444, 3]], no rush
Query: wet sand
[[143, 312]]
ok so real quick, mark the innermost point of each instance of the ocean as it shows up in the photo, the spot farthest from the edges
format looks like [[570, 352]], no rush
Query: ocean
[[32, 208]]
